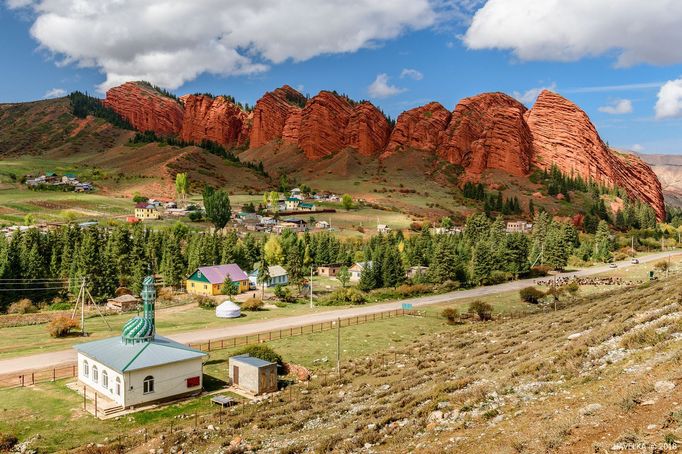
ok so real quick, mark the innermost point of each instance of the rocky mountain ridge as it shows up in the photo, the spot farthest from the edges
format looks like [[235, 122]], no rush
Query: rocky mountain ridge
[[486, 131]]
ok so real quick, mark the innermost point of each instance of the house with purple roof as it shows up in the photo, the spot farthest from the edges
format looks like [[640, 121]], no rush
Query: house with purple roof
[[208, 280]]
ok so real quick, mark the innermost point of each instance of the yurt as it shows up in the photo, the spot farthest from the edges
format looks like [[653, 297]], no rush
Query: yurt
[[228, 309]]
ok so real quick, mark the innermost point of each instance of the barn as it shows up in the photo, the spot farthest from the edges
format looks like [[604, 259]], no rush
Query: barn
[[253, 375]]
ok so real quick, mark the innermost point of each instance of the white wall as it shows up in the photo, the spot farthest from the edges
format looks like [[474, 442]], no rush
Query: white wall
[[110, 391], [169, 380]]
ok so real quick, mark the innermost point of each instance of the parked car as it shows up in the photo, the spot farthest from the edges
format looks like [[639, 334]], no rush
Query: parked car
[[613, 265], [634, 261]]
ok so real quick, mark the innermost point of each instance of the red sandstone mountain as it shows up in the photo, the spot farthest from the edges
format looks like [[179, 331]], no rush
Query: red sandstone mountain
[[216, 119], [563, 135], [420, 128], [487, 131], [145, 108]]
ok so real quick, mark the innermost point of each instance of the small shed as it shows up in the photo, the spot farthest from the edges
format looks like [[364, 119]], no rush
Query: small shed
[[253, 375], [329, 269], [228, 309], [123, 303]]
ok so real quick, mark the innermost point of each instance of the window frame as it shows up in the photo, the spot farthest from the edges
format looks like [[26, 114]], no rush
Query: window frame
[[148, 384]]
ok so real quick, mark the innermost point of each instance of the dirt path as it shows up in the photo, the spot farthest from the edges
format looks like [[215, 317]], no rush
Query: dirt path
[[16, 366]]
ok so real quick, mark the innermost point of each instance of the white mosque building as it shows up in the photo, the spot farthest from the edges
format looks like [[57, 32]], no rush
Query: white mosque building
[[140, 367]]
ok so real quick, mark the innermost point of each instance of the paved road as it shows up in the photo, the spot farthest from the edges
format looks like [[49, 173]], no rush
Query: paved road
[[15, 366]]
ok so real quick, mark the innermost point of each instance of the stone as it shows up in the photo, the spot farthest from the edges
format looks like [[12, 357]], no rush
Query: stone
[[367, 130], [590, 409], [664, 386], [574, 336], [271, 112]]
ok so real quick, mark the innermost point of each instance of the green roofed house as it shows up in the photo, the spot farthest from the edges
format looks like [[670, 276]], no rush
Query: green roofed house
[[140, 366]]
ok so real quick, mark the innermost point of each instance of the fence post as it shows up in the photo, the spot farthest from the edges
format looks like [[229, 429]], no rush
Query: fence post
[[95, 404], [209, 345], [22, 380], [73, 370], [85, 398], [54, 374], [33, 378]]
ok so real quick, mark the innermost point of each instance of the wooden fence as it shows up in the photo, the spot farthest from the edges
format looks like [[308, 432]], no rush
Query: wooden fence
[[71, 370]]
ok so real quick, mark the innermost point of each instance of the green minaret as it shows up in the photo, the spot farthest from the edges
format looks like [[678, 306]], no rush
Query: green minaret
[[142, 329]]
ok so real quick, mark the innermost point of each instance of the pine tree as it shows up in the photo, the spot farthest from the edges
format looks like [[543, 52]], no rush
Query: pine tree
[[483, 261]]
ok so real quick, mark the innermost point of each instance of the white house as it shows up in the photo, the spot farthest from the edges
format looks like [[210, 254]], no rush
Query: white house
[[357, 269], [140, 367], [383, 228]]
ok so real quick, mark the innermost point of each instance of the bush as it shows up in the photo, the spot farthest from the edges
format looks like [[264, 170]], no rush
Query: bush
[[284, 294], [539, 271], [61, 326], [405, 291], [195, 216], [7, 442], [483, 310], [447, 286], [205, 302], [60, 306], [261, 351], [23, 306], [499, 277], [451, 314], [531, 295], [662, 265], [346, 295], [252, 304]]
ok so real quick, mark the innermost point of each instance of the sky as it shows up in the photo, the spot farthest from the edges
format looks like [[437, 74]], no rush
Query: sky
[[619, 60]]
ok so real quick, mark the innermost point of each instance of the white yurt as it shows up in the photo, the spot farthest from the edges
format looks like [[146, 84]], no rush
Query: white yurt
[[228, 309]]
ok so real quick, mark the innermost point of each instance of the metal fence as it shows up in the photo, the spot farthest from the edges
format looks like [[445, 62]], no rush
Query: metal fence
[[71, 371]]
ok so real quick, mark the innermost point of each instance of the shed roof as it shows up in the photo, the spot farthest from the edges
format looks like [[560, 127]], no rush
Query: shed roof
[[251, 361], [122, 357], [124, 299], [216, 274]]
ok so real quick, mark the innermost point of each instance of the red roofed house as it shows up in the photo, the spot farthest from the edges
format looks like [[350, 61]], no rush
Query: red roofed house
[[208, 280]]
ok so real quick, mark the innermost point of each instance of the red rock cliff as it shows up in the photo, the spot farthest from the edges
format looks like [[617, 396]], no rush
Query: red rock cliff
[[563, 135], [420, 128], [367, 129], [488, 132], [271, 113], [323, 123], [145, 108], [215, 119]]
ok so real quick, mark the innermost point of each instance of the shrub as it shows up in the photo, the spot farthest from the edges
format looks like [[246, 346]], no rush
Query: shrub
[[573, 288], [61, 326], [448, 286], [205, 302], [7, 442], [252, 304], [662, 265], [450, 314], [23, 306], [483, 310], [412, 290], [531, 295], [284, 294], [165, 294], [499, 277], [195, 216], [539, 271], [346, 295], [60, 306], [261, 351]]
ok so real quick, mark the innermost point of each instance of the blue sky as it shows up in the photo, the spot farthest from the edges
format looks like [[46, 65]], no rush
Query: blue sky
[[450, 50]]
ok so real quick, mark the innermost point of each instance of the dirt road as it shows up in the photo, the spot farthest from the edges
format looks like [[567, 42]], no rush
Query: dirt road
[[16, 366]]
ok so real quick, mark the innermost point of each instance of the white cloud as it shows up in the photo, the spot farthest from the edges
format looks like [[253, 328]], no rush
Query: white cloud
[[636, 31], [607, 88], [637, 148], [380, 88], [169, 42], [528, 97], [617, 107], [669, 103], [54, 93], [411, 73]]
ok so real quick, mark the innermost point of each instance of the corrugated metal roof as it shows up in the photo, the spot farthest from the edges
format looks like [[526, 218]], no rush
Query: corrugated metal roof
[[216, 274], [251, 361], [121, 357]]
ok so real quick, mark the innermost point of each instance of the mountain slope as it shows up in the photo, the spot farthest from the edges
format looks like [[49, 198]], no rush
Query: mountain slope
[[668, 169], [483, 132]]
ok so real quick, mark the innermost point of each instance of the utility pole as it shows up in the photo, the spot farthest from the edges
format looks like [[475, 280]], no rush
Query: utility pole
[[311, 285], [338, 346]]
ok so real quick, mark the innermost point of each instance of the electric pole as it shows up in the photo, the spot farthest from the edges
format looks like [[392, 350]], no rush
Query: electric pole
[[338, 346], [311, 285]]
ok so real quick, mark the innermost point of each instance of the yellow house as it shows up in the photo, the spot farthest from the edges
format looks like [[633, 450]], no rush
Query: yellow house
[[146, 211], [208, 280]]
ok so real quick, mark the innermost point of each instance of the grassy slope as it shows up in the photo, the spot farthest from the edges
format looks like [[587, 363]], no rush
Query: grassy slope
[[504, 386]]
